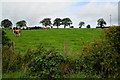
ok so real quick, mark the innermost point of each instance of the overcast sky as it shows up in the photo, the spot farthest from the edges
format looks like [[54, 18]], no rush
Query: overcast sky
[[33, 11]]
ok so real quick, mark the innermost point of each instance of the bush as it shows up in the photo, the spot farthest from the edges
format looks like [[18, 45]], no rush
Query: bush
[[46, 63], [88, 26], [5, 39], [112, 35], [39, 63], [11, 61], [102, 57]]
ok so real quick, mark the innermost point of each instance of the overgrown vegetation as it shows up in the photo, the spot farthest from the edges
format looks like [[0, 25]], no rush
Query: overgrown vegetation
[[5, 39], [102, 57], [112, 35], [99, 59], [46, 63], [11, 60]]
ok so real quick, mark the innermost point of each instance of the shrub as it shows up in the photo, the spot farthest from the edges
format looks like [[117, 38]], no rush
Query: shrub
[[11, 60], [46, 63], [5, 39], [39, 63], [112, 35], [88, 26], [102, 57]]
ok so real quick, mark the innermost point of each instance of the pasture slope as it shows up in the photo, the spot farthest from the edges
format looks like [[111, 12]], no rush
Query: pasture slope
[[75, 38]]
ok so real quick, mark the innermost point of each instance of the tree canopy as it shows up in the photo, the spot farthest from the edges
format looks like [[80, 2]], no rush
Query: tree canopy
[[81, 24], [46, 22], [101, 22], [66, 22], [21, 23], [57, 22], [6, 23], [88, 26]]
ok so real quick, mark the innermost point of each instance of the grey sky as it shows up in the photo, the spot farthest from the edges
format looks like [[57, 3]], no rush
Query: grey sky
[[33, 12]]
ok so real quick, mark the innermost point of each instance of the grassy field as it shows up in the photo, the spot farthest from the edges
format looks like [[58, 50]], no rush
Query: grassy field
[[75, 38]]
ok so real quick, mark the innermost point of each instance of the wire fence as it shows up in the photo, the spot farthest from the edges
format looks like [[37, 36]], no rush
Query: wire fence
[[65, 47]]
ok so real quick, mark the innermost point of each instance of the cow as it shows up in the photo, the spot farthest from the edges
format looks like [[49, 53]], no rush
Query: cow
[[17, 32], [46, 28]]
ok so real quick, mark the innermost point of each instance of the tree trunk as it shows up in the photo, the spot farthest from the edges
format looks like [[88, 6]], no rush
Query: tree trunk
[[64, 26], [80, 26], [101, 26]]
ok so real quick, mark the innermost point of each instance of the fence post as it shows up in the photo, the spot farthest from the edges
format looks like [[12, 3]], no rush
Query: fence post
[[65, 48], [13, 47]]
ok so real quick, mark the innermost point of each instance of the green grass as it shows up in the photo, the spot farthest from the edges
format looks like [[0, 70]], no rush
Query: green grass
[[75, 38], [13, 75], [82, 75]]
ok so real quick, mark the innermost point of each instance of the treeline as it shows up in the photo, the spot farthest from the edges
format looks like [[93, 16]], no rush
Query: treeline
[[57, 22], [98, 58]]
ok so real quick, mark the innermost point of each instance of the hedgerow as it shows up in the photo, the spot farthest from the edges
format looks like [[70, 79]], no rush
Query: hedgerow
[[102, 57], [10, 59], [112, 35], [47, 64], [5, 39]]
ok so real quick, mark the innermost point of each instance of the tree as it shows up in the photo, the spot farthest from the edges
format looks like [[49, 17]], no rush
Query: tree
[[88, 26], [57, 22], [66, 22], [81, 24], [6, 23], [21, 23], [46, 22], [101, 22], [5, 39]]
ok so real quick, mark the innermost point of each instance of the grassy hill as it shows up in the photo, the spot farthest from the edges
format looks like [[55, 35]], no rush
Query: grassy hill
[[75, 38]]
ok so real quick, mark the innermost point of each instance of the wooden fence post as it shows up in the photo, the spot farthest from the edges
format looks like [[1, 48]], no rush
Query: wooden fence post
[[13, 47], [65, 48]]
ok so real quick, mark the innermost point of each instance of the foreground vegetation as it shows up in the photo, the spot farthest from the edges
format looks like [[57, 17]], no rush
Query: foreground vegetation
[[98, 59]]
